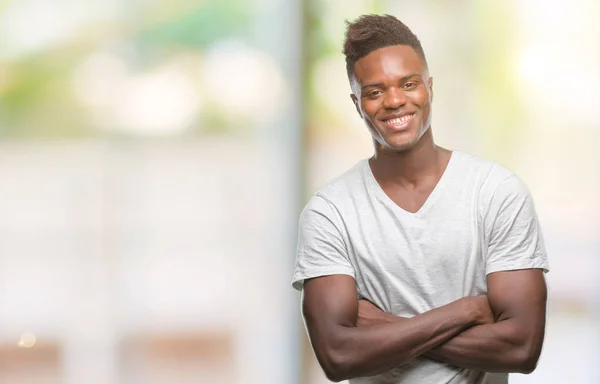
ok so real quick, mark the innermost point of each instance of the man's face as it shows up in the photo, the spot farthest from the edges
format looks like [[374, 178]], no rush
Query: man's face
[[392, 92]]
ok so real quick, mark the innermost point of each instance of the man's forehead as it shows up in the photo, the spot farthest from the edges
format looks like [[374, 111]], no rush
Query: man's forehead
[[392, 61]]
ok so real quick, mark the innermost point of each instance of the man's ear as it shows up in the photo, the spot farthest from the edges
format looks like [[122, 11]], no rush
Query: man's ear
[[356, 104], [431, 89]]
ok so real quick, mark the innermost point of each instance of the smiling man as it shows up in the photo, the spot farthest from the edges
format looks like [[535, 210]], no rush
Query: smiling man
[[420, 264]]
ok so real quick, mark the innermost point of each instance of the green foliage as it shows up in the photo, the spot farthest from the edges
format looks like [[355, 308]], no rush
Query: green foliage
[[37, 101], [201, 26]]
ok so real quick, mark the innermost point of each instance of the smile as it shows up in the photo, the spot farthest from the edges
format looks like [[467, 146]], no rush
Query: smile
[[399, 122]]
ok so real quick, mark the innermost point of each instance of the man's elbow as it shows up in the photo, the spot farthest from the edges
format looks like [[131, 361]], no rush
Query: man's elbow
[[335, 365], [527, 366], [527, 360], [335, 376]]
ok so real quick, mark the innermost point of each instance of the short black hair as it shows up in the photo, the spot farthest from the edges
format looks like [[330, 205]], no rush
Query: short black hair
[[371, 32]]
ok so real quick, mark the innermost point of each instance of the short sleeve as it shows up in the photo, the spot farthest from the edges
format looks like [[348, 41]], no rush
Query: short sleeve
[[513, 231], [321, 249]]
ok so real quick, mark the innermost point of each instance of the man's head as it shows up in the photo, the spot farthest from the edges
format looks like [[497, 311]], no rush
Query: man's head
[[390, 82]]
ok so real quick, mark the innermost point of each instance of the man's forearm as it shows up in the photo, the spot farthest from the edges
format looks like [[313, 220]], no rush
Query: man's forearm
[[488, 348], [366, 351]]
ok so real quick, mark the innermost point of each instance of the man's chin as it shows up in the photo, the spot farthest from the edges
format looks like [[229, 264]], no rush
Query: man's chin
[[398, 148], [401, 145], [402, 142]]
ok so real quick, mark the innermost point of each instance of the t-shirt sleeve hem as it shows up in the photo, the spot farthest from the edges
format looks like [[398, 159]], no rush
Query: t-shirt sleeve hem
[[516, 266], [299, 278]]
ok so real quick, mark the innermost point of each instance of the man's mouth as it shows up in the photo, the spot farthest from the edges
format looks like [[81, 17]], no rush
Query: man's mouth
[[398, 122]]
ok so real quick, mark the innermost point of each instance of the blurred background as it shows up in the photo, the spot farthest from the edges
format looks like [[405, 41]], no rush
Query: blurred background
[[155, 155]]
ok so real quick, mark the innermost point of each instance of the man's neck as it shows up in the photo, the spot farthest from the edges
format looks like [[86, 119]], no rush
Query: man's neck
[[412, 166]]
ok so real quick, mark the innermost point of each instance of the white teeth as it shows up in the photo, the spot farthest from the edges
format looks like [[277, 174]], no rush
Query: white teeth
[[399, 120]]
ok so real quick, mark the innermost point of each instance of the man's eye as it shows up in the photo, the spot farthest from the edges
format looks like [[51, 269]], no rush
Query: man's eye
[[410, 85], [374, 93]]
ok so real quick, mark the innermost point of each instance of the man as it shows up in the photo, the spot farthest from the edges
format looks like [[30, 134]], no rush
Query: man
[[420, 264]]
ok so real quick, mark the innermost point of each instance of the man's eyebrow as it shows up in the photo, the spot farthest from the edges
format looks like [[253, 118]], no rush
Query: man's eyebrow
[[402, 80]]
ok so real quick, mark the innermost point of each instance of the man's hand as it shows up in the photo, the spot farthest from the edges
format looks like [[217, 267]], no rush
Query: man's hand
[[482, 309]]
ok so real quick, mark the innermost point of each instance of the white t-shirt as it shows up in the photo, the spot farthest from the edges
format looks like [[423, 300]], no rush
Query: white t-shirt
[[479, 219]]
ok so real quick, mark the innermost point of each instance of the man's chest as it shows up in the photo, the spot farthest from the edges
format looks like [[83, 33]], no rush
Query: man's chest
[[424, 261]]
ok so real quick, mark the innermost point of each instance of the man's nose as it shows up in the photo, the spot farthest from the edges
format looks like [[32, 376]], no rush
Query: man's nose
[[394, 98]]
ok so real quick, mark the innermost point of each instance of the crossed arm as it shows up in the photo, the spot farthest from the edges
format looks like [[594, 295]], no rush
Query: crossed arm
[[501, 332]]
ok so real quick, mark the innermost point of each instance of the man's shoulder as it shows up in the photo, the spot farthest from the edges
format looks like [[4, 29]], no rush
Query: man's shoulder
[[483, 165], [489, 173], [338, 192], [345, 184], [494, 181]]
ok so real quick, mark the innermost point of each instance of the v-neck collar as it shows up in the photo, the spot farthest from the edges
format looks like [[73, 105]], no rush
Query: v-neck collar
[[376, 189]]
